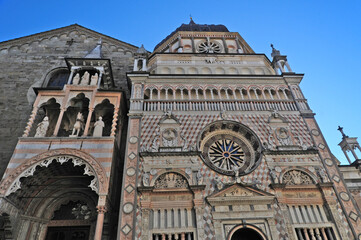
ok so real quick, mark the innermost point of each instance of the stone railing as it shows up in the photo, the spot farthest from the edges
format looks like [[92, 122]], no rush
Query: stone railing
[[315, 233], [215, 105], [174, 236]]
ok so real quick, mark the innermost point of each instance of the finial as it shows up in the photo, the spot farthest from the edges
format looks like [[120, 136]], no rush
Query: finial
[[100, 41], [191, 22], [275, 52], [341, 130]]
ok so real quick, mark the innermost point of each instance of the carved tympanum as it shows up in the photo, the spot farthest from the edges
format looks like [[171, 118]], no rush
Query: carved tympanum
[[296, 177], [170, 180]]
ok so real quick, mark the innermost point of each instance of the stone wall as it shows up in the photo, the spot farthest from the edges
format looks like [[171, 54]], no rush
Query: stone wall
[[25, 63]]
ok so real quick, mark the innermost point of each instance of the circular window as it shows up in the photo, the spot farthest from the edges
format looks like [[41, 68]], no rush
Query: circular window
[[229, 148], [209, 47]]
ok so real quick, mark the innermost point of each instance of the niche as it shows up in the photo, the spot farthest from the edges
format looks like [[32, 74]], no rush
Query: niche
[[105, 110], [78, 104], [50, 109]]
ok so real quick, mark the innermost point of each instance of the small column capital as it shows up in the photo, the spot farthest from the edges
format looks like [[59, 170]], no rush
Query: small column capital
[[102, 209]]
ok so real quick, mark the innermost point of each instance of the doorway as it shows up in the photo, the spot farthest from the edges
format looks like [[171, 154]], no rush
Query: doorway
[[246, 234], [68, 233]]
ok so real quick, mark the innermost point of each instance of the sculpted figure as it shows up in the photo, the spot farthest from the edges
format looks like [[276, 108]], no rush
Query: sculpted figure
[[199, 177], [94, 79], [85, 78], [78, 125], [42, 128], [146, 179], [76, 79], [98, 128]]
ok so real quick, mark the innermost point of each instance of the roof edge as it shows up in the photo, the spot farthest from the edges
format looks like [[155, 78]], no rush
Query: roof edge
[[72, 26]]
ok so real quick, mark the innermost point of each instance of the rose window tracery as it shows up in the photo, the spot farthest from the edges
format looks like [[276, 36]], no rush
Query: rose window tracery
[[230, 148], [209, 47], [226, 153]]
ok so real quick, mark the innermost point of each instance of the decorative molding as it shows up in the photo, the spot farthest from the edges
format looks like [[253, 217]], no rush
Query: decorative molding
[[92, 168]]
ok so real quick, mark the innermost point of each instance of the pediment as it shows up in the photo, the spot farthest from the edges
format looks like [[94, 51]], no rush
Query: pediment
[[238, 190], [240, 194], [67, 30]]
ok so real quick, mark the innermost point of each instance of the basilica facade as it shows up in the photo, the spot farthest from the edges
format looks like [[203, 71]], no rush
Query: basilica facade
[[202, 138]]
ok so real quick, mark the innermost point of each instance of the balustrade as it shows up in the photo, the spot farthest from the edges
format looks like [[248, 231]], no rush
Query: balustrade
[[216, 105], [315, 233]]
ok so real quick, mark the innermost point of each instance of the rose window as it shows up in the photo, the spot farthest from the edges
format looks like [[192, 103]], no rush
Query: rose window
[[230, 148], [209, 47], [226, 154]]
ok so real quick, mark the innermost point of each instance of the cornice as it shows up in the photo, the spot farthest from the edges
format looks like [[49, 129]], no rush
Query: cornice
[[57, 31]]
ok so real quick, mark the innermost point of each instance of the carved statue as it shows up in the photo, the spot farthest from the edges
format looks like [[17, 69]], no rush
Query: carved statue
[[146, 179], [94, 79], [275, 114], [42, 128], [85, 78], [199, 177], [274, 176], [169, 137], [98, 128], [283, 136], [235, 169], [76, 79], [78, 125], [322, 174]]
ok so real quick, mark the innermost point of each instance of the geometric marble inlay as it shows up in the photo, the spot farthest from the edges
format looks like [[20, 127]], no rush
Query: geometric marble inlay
[[130, 171], [336, 178], [321, 146], [344, 196], [126, 229], [315, 132], [353, 216], [133, 139], [328, 162], [129, 188], [128, 208], [132, 156]]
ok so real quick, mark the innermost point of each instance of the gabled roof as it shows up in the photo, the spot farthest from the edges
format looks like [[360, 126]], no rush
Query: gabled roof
[[72, 27]]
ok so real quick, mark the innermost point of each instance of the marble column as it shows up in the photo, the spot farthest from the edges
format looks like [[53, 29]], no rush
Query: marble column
[[100, 222]]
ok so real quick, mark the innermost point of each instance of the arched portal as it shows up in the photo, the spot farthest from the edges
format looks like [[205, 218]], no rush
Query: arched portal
[[246, 232]]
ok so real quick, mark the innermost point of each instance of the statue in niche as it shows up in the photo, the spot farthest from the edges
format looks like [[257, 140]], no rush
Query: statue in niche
[[98, 128], [94, 79], [42, 127], [76, 79], [79, 124], [146, 179], [85, 78]]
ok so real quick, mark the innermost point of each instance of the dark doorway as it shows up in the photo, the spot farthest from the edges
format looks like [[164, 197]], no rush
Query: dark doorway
[[68, 233], [246, 234]]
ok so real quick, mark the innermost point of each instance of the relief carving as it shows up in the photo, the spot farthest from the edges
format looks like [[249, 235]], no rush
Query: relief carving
[[296, 177]]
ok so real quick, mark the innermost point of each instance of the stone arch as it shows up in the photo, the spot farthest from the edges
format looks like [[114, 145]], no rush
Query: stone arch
[[179, 70], [177, 171], [238, 135], [55, 205], [307, 177], [56, 77], [255, 232], [92, 168]]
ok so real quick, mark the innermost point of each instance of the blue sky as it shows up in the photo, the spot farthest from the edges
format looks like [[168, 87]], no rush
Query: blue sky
[[321, 39]]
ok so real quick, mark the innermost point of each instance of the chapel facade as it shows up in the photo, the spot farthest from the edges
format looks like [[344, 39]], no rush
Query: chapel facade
[[200, 139]]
